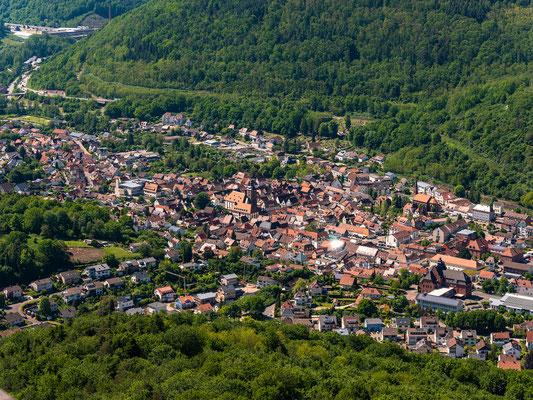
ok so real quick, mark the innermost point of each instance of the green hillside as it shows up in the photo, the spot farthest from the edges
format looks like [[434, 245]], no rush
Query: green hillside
[[63, 12], [183, 357], [456, 72], [403, 51]]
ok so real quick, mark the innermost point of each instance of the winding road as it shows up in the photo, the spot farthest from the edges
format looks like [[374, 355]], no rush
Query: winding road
[[21, 86]]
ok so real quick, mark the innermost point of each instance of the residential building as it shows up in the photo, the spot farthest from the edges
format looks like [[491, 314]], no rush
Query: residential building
[[124, 303], [512, 348], [500, 338], [165, 294], [429, 323], [156, 307], [93, 289], [72, 294], [401, 323], [12, 292], [483, 348], [14, 319], [204, 298], [185, 302], [414, 335], [529, 340], [97, 271], [468, 337], [327, 323], [483, 213], [510, 364], [140, 278], [41, 285], [302, 299], [351, 323], [455, 348], [390, 334], [114, 283], [230, 279], [443, 233], [371, 293], [69, 277], [227, 293], [374, 324], [441, 336], [264, 281]]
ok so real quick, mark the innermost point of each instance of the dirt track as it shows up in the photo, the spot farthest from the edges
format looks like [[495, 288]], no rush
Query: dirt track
[[85, 255]]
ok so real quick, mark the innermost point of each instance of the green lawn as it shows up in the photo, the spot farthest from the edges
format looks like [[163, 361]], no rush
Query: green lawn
[[76, 243], [34, 120], [120, 253]]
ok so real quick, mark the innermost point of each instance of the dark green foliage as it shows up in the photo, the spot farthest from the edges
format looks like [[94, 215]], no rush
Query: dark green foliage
[[182, 357], [272, 47], [70, 12], [528, 361], [202, 200], [483, 321], [44, 306], [367, 308], [464, 253]]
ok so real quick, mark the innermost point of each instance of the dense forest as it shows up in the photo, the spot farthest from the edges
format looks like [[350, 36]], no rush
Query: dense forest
[[185, 357], [62, 12], [401, 50], [448, 83]]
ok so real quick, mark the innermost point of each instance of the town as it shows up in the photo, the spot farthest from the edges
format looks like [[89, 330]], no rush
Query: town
[[331, 241]]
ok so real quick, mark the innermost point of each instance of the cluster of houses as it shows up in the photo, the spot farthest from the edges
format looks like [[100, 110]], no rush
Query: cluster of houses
[[325, 222], [426, 335]]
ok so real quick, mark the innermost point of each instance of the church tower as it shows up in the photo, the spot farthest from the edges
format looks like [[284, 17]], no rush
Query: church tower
[[251, 196]]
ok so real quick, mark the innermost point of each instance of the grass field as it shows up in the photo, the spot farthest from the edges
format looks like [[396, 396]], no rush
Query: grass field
[[118, 89], [81, 252], [120, 253], [34, 120], [86, 254], [76, 243]]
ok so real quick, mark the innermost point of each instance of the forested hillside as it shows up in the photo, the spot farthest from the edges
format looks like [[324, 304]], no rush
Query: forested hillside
[[446, 78], [402, 51], [183, 357], [69, 12]]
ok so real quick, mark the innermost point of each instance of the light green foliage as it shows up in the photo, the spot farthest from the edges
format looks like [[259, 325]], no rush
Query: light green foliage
[[180, 357]]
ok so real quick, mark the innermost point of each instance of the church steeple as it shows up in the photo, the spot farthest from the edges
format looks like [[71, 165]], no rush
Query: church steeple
[[251, 195]]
